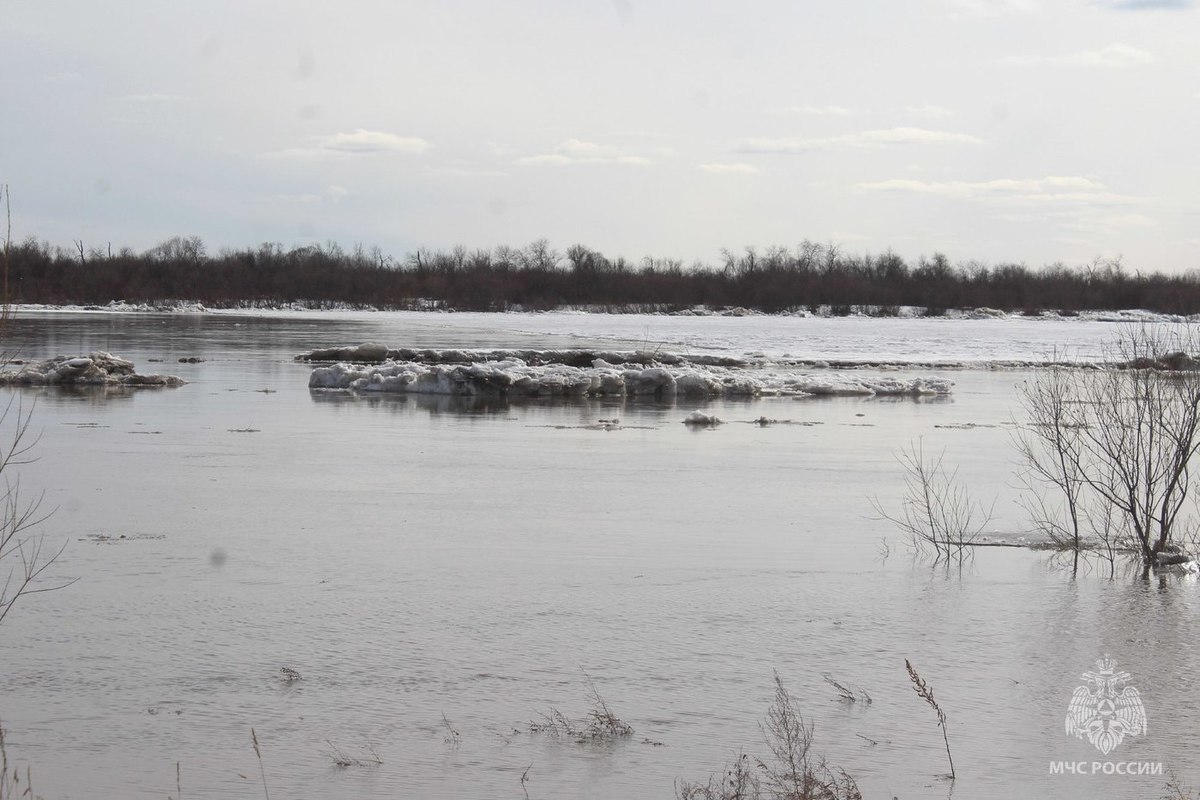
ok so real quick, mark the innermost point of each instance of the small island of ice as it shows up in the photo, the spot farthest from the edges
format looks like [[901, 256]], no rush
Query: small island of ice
[[571, 373], [95, 369]]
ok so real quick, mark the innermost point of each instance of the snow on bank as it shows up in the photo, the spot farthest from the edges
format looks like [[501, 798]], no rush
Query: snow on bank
[[424, 305], [95, 369], [557, 374], [121, 307]]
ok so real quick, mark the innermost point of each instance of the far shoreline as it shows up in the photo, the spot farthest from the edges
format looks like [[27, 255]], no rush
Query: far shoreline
[[1132, 315]]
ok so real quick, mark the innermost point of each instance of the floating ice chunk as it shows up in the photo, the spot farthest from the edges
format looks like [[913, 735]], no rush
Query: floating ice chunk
[[651, 381], [700, 418], [95, 369], [368, 352]]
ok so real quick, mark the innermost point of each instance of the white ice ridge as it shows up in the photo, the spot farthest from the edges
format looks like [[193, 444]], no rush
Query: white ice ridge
[[95, 369], [514, 377]]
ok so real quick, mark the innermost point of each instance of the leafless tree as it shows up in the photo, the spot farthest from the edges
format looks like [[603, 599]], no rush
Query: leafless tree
[[23, 557], [1108, 451]]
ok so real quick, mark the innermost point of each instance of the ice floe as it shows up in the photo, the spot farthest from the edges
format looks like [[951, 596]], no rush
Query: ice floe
[[564, 373], [95, 369]]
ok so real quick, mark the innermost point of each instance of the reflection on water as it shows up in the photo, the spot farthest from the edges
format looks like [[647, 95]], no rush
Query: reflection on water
[[414, 556]]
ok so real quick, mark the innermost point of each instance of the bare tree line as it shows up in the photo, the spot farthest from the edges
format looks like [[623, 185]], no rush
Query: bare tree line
[[538, 276]]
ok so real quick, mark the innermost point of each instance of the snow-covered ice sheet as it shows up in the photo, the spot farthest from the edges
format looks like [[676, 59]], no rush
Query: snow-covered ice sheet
[[1008, 341], [672, 376]]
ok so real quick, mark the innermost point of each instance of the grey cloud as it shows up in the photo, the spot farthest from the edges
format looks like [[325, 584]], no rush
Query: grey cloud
[[1147, 5]]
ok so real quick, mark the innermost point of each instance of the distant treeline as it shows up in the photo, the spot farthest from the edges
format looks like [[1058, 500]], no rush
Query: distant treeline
[[538, 277]]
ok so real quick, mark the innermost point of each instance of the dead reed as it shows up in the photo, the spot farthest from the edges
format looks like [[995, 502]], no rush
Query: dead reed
[[262, 770], [925, 692], [11, 787]]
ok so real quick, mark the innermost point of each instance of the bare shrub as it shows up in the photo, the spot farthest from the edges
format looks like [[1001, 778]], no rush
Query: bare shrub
[[937, 511], [600, 725], [793, 771], [738, 781]]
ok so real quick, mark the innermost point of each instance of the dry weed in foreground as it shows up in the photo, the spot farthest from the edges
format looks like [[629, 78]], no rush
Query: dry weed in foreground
[[793, 772], [1175, 790], [11, 787], [926, 693]]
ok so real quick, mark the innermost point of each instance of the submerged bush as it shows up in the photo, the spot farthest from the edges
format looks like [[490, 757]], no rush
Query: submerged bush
[[792, 772]]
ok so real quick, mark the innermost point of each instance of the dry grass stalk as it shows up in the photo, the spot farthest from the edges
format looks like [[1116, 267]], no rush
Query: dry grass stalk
[[10, 782], [924, 691], [262, 770]]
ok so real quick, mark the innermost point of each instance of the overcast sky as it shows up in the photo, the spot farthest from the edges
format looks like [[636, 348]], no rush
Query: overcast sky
[[1000, 130]]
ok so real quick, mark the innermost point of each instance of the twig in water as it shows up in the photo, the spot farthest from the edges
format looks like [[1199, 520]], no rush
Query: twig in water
[[926, 694], [525, 780], [452, 737], [845, 693], [341, 759]]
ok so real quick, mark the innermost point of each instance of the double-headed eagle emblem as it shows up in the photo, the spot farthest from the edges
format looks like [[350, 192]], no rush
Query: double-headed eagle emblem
[[1106, 711]]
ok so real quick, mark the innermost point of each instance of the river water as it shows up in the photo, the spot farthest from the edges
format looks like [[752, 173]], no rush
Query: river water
[[427, 563]]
